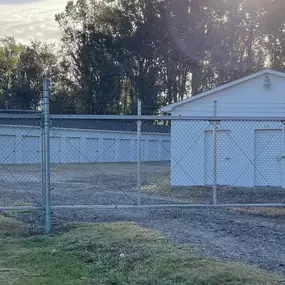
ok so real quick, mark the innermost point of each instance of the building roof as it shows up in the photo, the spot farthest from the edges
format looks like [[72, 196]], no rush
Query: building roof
[[169, 108], [96, 124]]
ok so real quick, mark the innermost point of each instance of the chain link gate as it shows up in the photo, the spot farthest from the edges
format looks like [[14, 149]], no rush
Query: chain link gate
[[24, 162], [127, 162]]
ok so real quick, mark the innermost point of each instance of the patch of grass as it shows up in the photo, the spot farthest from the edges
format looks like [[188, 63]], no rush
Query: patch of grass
[[159, 185], [11, 203], [11, 227], [263, 211], [113, 254]]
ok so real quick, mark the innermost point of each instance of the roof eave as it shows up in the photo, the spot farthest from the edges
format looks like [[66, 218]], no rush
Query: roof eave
[[170, 107]]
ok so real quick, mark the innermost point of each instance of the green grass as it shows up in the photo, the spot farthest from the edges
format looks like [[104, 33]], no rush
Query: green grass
[[11, 203], [111, 254]]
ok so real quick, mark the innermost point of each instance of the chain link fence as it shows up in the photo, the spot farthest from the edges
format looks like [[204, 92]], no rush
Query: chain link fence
[[226, 162], [21, 168], [113, 162]]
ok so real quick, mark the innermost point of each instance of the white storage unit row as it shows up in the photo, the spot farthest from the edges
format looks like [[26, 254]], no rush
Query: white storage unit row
[[22, 144]]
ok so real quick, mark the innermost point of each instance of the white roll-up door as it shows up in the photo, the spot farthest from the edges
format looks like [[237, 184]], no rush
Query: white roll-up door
[[153, 150], [109, 154], [124, 150], [92, 149], [55, 150], [268, 157], [72, 152], [30, 149], [165, 153]]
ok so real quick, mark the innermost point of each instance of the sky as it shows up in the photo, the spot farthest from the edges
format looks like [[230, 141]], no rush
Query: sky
[[29, 19]]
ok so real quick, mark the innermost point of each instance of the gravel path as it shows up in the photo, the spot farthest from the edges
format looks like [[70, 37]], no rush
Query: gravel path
[[218, 233]]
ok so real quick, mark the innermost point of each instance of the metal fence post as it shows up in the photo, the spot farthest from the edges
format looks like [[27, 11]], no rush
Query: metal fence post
[[283, 155], [139, 126], [215, 155], [43, 161], [46, 156]]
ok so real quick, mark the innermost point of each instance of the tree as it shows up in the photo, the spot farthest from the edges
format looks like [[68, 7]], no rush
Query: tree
[[21, 73], [160, 51]]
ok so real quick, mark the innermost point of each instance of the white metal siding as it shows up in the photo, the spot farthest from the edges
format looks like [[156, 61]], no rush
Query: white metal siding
[[187, 153], [7, 149], [247, 99], [268, 153], [223, 158]]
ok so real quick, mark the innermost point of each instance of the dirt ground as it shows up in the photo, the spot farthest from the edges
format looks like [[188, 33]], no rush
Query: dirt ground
[[255, 237]]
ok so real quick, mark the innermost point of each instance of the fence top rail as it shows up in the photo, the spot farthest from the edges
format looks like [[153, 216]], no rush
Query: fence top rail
[[20, 116], [143, 117], [19, 111], [170, 118]]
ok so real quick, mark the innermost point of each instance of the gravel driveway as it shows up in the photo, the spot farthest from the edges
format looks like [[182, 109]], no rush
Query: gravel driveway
[[218, 233]]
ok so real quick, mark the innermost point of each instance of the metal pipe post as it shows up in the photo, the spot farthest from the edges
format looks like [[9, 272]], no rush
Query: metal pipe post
[[283, 155], [139, 126], [46, 155], [43, 162], [215, 155]]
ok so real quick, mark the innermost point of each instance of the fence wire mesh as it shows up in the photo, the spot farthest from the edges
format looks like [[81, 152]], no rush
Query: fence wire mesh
[[20, 162], [223, 162], [141, 161], [95, 162]]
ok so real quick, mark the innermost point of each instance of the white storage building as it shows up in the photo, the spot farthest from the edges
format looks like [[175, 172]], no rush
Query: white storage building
[[248, 153], [79, 141]]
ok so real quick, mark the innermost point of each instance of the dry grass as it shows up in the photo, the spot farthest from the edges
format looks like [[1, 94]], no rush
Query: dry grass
[[112, 254], [263, 211]]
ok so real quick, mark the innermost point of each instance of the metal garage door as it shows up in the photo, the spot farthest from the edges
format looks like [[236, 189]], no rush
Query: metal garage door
[[268, 153], [165, 154], [92, 150], [72, 150], [223, 158], [153, 150], [30, 149], [109, 150], [7, 149], [54, 150], [124, 150]]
